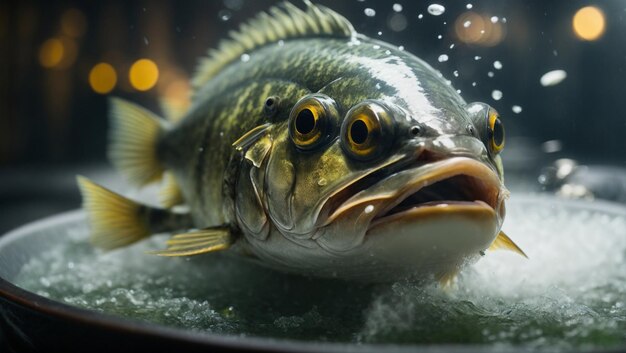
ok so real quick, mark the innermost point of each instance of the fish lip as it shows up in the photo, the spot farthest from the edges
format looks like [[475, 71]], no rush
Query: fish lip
[[489, 192]]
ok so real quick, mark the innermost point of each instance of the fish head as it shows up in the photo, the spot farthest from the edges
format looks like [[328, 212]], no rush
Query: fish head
[[385, 171]]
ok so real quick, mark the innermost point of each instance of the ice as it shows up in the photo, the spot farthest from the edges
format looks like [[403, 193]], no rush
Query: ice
[[552, 78], [442, 58], [369, 12], [436, 9], [568, 295]]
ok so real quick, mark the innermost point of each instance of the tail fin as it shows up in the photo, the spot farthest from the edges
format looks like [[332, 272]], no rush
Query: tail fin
[[133, 142], [115, 220]]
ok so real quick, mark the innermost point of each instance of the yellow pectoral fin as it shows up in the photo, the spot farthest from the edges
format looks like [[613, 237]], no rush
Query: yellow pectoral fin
[[197, 242], [502, 241]]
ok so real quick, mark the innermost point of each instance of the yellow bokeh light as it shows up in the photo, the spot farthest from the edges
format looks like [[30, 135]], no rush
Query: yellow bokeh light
[[51, 53], [143, 74], [102, 78], [589, 23]]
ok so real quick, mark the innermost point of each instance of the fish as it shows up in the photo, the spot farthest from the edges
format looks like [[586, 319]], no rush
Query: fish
[[312, 149]]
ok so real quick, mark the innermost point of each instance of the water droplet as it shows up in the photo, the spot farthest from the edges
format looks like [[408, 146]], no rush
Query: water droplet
[[452, 46], [442, 58], [516, 109], [420, 16], [376, 46], [469, 6], [494, 19], [369, 12], [401, 48], [456, 73], [245, 58], [552, 146], [496, 94], [436, 9], [458, 91], [552, 78], [369, 209], [322, 182], [439, 36], [497, 65], [474, 84], [224, 15], [467, 23], [380, 33], [477, 57], [388, 52], [397, 7], [490, 74]]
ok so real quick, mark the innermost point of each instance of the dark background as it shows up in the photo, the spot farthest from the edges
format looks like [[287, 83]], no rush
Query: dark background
[[53, 125]]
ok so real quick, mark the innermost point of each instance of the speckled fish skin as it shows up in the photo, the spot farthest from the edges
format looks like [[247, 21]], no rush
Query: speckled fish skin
[[282, 228]]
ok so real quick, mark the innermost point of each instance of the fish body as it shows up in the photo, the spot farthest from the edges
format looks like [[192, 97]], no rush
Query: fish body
[[316, 150]]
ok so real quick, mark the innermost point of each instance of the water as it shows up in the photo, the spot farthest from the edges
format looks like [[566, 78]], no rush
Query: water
[[571, 293]]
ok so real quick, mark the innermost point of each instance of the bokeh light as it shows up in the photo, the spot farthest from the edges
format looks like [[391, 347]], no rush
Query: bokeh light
[[51, 53], [73, 23], [102, 78], [473, 28], [589, 23], [143, 74]]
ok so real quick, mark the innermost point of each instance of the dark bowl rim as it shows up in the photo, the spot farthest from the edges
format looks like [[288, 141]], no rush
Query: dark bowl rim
[[46, 306]]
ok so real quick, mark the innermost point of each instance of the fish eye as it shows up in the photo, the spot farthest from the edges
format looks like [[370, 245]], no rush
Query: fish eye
[[312, 121], [367, 131], [496, 132]]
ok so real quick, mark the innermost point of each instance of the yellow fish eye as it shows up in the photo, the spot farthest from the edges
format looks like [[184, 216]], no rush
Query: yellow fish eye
[[311, 121], [366, 131], [496, 132]]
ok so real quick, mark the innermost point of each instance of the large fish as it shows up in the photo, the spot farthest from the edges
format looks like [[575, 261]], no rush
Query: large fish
[[313, 149]]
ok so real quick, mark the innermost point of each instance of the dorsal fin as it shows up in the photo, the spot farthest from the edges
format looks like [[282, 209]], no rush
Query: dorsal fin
[[284, 21]]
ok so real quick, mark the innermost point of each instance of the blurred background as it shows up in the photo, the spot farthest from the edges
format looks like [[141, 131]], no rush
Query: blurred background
[[555, 70]]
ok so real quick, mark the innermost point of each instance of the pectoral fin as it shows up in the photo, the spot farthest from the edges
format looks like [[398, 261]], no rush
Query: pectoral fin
[[197, 242], [502, 241]]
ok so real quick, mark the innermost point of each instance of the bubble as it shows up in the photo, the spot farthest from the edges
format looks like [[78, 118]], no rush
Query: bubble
[[397, 7], [224, 15], [456, 73], [439, 36], [245, 57], [369, 12], [497, 65], [516, 109], [369, 209], [490, 74], [474, 84], [494, 19], [496, 95], [467, 23], [477, 57], [420, 16], [436, 9], [442, 58], [469, 6], [452, 46], [553, 77]]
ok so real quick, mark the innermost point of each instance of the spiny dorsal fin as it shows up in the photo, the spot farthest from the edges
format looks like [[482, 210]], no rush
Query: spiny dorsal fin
[[503, 241], [284, 21]]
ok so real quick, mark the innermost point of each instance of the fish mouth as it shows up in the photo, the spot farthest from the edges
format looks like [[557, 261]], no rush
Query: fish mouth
[[454, 185]]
